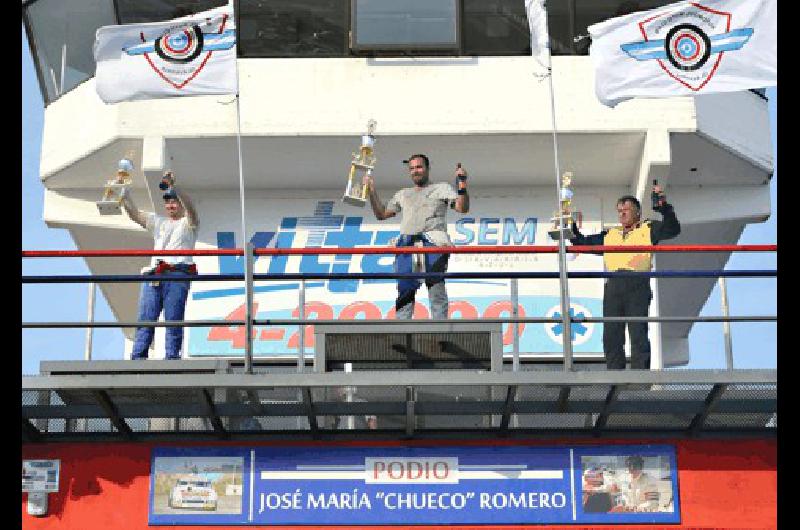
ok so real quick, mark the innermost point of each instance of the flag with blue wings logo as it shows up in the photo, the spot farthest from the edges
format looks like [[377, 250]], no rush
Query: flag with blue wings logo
[[686, 48], [187, 56]]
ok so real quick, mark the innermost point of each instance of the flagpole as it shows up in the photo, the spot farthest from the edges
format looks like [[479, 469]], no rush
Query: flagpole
[[248, 286], [239, 132], [566, 335], [241, 176]]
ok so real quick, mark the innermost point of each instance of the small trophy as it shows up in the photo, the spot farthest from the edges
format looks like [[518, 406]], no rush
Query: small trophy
[[566, 217], [111, 203], [167, 181], [361, 166]]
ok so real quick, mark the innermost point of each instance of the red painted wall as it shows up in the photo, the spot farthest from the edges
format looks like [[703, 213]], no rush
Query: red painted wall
[[723, 484]]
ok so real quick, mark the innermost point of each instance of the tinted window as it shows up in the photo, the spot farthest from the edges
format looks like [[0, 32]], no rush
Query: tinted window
[[62, 37], [135, 11], [495, 26], [407, 24], [588, 12], [61, 32], [293, 28]]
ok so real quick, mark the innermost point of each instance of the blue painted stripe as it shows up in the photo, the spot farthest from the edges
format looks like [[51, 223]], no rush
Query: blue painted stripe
[[644, 50], [215, 42], [145, 47], [479, 282], [742, 32], [660, 54], [730, 46], [322, 222], [738, 38], [643, 45], [221, 293]]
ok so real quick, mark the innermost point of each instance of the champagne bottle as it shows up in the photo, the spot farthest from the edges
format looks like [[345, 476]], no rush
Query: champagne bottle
[[655, 197]]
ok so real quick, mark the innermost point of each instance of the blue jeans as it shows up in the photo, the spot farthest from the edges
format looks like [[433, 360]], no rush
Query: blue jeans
[[171, 297], [437, 296], [407, 288]]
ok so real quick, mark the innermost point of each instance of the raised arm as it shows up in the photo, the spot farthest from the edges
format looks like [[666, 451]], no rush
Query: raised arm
[[667, 228], [191, 212], [592, 240], [183, 198], [136, 215], [462, 202], [380, 210]]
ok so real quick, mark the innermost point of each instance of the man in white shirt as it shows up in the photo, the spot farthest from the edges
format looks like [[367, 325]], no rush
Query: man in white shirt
[[176, 231], [424, 207], [640, 491]]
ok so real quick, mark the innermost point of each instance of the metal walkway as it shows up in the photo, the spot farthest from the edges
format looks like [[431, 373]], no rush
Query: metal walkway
[[215, 400]]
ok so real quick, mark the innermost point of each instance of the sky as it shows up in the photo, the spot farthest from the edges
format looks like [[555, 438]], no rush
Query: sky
[[754, 344]]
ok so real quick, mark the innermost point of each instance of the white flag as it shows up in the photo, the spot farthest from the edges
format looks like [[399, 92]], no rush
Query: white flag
[[686, 48], [187, 56], [540, 41]]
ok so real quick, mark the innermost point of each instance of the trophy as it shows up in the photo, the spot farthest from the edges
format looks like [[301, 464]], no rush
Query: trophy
[[360, 167], [167, 181], [566, 216], [115, 188]]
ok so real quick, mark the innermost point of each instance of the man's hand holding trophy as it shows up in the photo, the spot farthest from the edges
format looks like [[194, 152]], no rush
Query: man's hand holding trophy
[[116, 188], [361, 168], [167, 181], [563, 220]]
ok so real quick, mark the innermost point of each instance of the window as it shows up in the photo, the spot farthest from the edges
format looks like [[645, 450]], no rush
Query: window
[[408, 24], [495, 27], [588, 12], [293, 28], [61, 32], [137, 11], [61, 36]]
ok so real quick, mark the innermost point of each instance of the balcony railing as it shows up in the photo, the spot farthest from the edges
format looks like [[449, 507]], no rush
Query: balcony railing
[[249, 277], [239, 399]]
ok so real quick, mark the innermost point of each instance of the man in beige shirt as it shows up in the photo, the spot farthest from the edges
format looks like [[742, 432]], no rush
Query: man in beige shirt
[[423, 224]]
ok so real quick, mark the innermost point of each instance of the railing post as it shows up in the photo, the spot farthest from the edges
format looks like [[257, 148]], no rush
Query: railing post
[[515, 314], [348, 397], [87, 355], [301, 349], [726, 326], [248, 309], [566, 335]]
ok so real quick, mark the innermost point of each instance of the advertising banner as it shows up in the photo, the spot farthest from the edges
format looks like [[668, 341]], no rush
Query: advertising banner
[[40, 475], [301, 223], [414, 486]]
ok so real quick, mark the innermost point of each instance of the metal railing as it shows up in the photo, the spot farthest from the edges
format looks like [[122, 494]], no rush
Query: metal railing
[[249, 277]]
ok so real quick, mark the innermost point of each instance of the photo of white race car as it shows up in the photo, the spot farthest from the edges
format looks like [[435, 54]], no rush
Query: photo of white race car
[[194, 492]]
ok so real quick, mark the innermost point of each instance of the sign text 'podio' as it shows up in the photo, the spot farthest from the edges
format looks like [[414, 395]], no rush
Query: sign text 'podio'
[[439, 470]]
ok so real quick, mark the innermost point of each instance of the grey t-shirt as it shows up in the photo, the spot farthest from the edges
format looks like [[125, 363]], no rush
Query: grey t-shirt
[[424, 210]]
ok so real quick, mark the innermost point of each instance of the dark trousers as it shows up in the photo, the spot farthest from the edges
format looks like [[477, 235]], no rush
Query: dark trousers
[[626, 297]]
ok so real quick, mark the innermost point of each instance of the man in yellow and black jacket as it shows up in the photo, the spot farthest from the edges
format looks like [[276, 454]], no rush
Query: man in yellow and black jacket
[[630, 296]]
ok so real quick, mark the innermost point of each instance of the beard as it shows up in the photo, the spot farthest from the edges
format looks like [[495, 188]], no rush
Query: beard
[[420, 180]]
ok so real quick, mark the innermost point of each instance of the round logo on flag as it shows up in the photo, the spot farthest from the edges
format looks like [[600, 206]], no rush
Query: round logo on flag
[[688, 47], [182, 46]]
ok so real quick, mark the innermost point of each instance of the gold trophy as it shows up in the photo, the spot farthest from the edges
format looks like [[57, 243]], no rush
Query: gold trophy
[[111, 203], [360, 167], [566, 215]]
